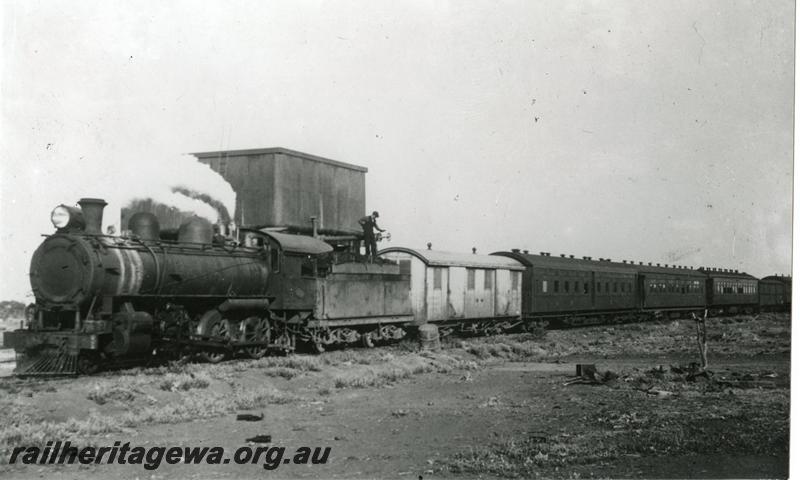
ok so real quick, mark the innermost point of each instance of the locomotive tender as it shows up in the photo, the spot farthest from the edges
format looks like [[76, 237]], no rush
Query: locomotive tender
[[291, 272]]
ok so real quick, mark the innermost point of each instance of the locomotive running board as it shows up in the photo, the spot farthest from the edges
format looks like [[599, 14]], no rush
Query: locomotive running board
[[47, 365]]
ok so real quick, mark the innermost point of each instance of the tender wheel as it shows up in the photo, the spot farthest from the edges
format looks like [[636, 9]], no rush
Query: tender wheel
[[214, 325], [367, 341], [255, 329]]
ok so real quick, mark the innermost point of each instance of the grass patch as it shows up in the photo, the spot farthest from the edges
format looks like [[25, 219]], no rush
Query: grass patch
[[174, 382], [283, 372], [104, 393], [393, 368], [303, 363]]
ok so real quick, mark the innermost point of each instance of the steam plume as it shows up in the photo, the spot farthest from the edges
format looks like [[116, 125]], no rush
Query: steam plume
[[181, 182]]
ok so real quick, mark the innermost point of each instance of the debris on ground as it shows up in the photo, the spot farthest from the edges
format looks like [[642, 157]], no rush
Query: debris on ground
[[661, 381], [249, 417], [660, 393], [690, 372], [260, 439], [587, 374]]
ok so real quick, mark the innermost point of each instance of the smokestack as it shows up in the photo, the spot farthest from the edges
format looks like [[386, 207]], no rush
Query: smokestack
[[92, 209]]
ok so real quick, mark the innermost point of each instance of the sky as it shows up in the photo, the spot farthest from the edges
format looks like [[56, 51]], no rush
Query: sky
[[640, 130]]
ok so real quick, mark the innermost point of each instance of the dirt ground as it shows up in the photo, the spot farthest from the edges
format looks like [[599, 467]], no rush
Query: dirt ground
[[493, 407]]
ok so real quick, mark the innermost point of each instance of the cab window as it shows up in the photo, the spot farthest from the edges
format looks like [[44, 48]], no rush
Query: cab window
[[275, 260], [307, 267]]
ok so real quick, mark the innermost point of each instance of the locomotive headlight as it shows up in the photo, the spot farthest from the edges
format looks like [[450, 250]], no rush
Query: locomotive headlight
[[60, 216]]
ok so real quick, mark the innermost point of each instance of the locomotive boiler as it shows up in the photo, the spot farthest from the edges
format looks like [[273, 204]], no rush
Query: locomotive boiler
[[103, 297]]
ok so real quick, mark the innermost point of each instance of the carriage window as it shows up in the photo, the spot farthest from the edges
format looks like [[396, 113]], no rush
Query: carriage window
[[555, 286], [615, 287], [544, 286], [566, 287], [437, 278], [470, 279], [740, 289], [514, 280], [487, 279], [576, 287], [607, 290], [585, 288], [405, 267]]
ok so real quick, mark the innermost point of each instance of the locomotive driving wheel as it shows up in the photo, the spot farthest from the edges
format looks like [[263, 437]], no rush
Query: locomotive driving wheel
[[256, 329], [214, 325]]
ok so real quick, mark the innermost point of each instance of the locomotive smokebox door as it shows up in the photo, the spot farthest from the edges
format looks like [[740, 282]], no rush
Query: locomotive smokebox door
[[62, 270]]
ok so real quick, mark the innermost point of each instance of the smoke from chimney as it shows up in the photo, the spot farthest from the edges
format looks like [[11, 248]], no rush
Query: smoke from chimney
[[180, 182]]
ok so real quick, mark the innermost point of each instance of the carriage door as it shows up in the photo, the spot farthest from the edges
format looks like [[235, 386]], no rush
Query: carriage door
[[437, 293], [507, 292], [480, 293], [489, 285], [457, 285]]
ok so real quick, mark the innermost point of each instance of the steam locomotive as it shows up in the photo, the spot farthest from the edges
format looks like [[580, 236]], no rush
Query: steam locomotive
[[104, 300]]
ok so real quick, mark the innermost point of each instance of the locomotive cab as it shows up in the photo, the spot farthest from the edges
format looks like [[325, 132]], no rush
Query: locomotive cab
[[296, 261]]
